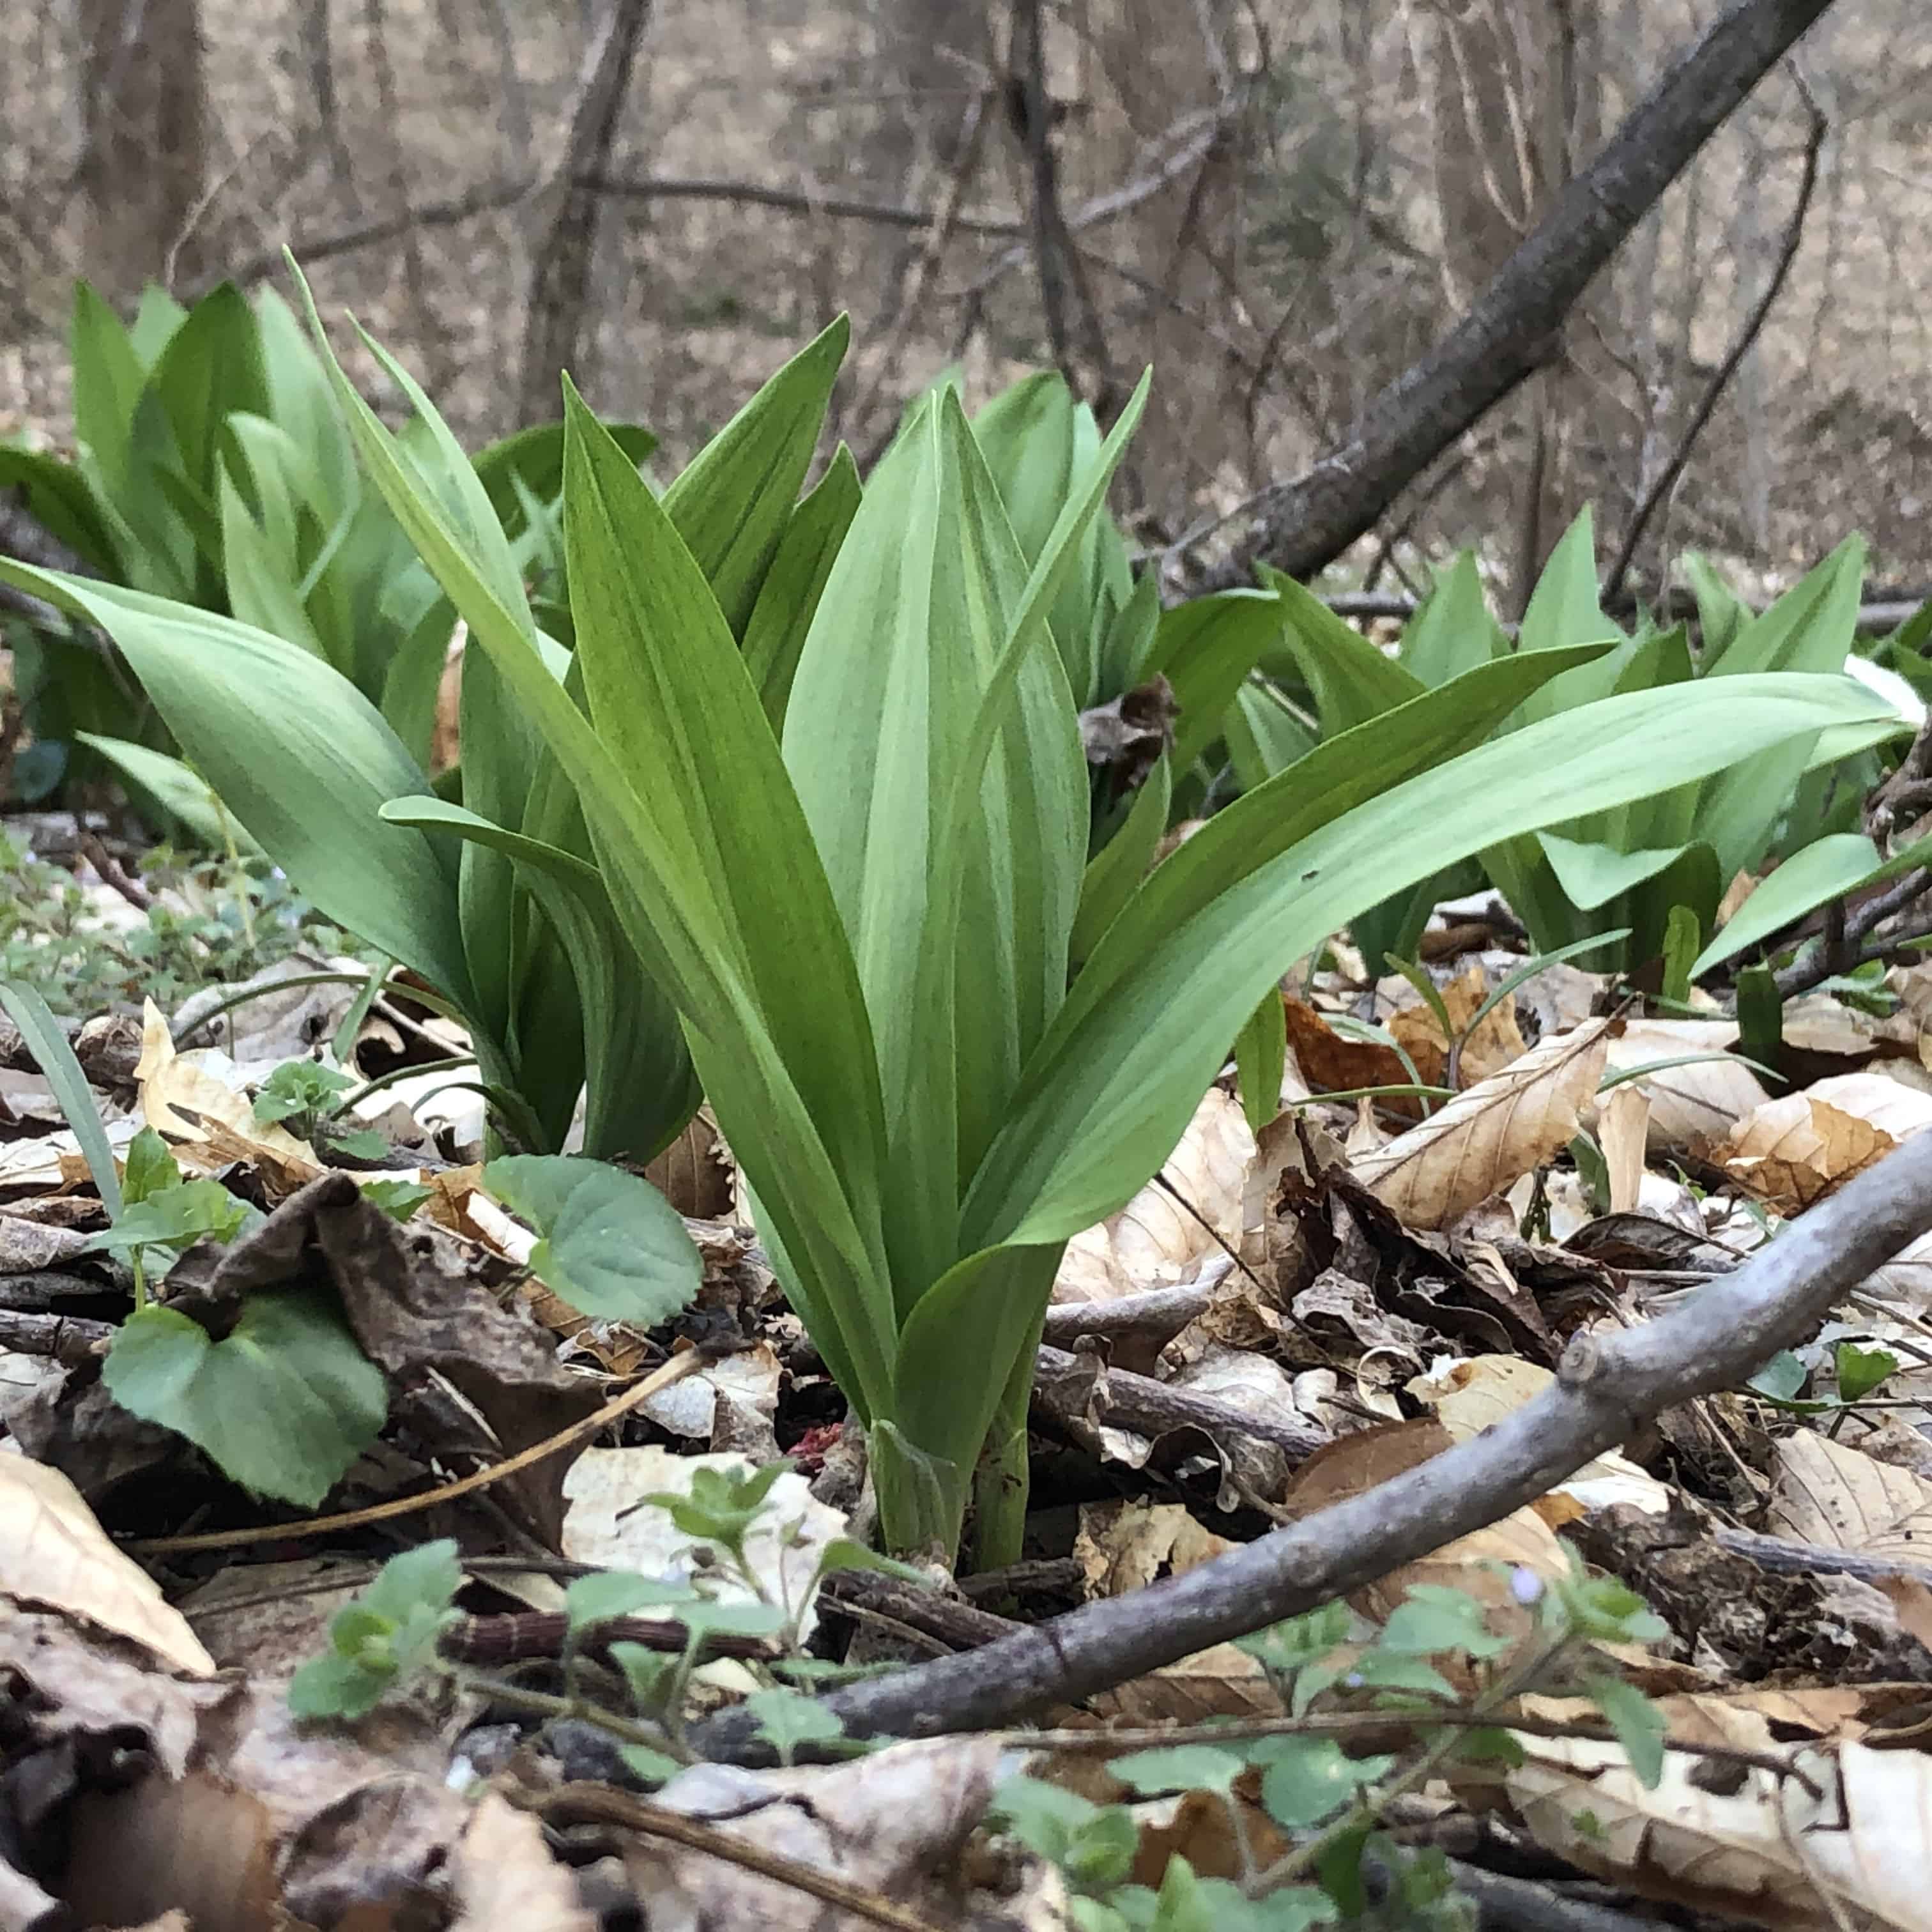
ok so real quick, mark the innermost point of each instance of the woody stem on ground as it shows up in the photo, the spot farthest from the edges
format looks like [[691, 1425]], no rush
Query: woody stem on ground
[[1606, 1387]]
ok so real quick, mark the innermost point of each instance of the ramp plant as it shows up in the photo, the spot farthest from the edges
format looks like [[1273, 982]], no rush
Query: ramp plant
[[531, 957], [863, 915]]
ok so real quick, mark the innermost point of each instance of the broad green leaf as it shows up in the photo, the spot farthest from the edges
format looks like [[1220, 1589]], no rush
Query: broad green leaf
[[108, 376], [1205, 649], [1564, 609], [1146, 1024], [876, 740], [1351, 679], [156, 317], [1147, 1774], [174, 1216], [1117, 869], [1827, 868], [176, 788], [788, 599], [299, 756], [302, 405], [58, 496], [610, 1244], [1307, 1780], [1452, 631], [47, 1042], [1592, 875], [731, 502], [211, 367], [283, 1404]]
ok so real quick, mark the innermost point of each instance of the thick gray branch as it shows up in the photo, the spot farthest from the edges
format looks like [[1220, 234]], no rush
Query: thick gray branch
[[1606, 1384], [1511, 330]]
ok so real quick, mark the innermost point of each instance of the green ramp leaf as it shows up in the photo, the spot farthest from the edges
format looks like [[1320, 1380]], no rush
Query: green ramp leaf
[[611, 1245], [283, 1404]]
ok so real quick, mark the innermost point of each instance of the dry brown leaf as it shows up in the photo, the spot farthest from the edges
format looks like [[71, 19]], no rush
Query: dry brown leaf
[[1330, 1064], [1824, 1491], [1700, 1101], [1768, 1851], [505, 1880], [1623, 1133], [693, 1173], [53, 1552], [1486, 1137], [1154, 1241], [1496, 1043]]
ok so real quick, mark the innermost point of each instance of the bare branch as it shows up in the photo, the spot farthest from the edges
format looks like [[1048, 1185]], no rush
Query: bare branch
[[1510, 330], [1606, 1384], [1665, 481]]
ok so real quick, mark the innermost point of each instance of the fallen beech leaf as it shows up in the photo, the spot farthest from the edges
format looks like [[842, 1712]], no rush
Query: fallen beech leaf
[[1483, 1139], [1698, 1101], [1823, 1492], [1154, 1241], [53, 1552], [1123, 1547], [1329, 1063]]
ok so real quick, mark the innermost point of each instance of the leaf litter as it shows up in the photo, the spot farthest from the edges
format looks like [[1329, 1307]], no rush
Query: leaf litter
[[1302, 1314]]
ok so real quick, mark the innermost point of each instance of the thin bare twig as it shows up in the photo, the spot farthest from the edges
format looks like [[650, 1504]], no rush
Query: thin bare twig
[[1606, 1384], [581, 1804], [1665, 481]]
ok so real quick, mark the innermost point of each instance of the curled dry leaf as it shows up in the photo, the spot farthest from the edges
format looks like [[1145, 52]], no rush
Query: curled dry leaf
[[1154, 1241], [53, 1552], [1486, 1137], [1766, 1850], [1698, 1101]]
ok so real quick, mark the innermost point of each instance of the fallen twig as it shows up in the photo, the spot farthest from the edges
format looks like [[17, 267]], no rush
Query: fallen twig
[[1606, 1384]]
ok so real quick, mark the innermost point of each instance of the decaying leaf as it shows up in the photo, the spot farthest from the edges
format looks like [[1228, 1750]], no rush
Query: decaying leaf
[[1468, 1397], [892, 1824], [1484, 1138], [52, 1552], [1623, 1131], [1826, 1491]]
